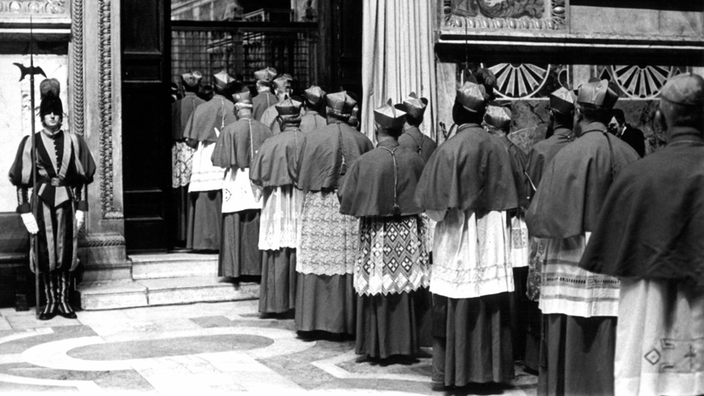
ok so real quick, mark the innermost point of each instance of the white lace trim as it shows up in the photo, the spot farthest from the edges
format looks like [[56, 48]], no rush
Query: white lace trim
[[328, 241], [392, 258], [181, 164]]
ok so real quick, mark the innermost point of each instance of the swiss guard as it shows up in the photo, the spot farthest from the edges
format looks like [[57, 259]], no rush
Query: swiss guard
[[65, 167]]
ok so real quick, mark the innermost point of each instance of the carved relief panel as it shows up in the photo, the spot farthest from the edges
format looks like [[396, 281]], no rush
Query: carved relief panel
[[44, 10], [510, 15]]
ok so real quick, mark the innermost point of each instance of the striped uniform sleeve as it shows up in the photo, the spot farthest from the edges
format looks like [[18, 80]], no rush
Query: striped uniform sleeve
[[21, 174]]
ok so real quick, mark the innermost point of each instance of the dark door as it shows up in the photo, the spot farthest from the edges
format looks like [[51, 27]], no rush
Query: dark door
[[145, 123], [349, 45]]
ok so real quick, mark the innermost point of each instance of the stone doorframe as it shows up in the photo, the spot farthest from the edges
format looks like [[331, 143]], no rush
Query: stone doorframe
[[92, 31]]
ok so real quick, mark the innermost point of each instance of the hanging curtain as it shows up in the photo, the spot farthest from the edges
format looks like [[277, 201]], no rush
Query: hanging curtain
[[398, 57]]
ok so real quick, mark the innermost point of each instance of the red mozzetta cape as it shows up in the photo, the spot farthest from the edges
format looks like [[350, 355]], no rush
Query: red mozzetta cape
[[215, 113], [275, 164], [368, 187], [239, 142], [575, 183], [414, 139], [261, 102], [544, 151], [518, 168], [327, 155], [471, 170], [181, 111], [651, 225], [311, 121]]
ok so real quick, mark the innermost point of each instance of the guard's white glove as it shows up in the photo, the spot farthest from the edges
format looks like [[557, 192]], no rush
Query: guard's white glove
[[30, 223], [80, 219]]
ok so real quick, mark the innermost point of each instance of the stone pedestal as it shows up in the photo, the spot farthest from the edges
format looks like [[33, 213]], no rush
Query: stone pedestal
[[103, 257]]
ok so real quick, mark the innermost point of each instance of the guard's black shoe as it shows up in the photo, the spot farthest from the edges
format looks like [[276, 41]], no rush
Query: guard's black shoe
[[66, 312], [47, 315]]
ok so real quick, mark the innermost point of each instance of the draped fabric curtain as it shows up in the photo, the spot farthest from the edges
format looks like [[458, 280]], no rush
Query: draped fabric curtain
[[398, 57]]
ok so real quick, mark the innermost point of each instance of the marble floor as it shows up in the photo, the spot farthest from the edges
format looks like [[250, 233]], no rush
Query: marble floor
[[201, 349]]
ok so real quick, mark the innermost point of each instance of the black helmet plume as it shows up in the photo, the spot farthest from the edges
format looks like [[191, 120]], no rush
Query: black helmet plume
[[49, 90]]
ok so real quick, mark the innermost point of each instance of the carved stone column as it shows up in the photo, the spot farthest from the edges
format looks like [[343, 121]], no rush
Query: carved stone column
[[97, 59]]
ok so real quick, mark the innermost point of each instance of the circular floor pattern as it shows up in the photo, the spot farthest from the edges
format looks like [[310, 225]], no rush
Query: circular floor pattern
[[146, 349], [59, 355]]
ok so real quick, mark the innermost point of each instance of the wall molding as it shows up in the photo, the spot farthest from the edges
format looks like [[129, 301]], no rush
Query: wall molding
[[101, 240], [77, 76], [105, 86]]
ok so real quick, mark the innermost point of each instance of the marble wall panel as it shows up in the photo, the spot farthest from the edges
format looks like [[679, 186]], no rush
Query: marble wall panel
[[615, 21], [641, 22], [684, 24]]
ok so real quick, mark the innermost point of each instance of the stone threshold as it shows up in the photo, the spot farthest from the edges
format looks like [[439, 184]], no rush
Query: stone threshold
[[165, 291], [165, 279]]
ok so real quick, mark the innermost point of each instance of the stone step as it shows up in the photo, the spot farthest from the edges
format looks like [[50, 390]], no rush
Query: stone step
[[166, 291], [173, 265]]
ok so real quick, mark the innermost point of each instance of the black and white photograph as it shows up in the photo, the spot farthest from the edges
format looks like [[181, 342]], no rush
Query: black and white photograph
[[352, 197]]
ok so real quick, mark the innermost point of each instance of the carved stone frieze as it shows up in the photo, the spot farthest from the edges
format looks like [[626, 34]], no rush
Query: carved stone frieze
[[504, 14], [40, 9]]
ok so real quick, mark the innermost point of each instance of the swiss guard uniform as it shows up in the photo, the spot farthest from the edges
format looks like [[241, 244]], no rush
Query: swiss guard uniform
[[64, 169]]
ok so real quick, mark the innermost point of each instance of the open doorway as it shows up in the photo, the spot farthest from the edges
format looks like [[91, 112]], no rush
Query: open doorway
[[238, 37]]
